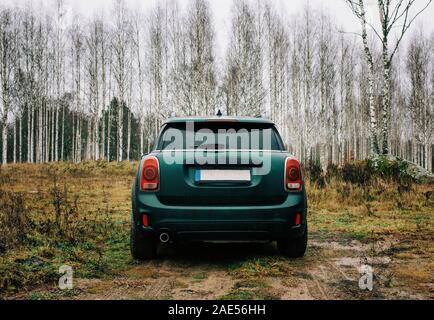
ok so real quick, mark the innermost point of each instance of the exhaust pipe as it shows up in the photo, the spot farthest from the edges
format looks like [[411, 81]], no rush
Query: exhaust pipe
[[164, 237]]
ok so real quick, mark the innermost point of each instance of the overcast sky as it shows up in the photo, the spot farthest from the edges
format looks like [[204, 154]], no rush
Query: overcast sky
[[221, 11]]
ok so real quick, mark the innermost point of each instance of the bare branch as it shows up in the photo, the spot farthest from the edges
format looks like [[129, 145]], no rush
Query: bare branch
[[406, 25]]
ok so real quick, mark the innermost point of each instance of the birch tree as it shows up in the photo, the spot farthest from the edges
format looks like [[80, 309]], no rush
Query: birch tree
[[94, 69], [137, 25], [121, 45], [105, 51], [243, 85], [28, 83], [156, 67], [7, 58], [201, 66], [276, 57], [73, 87], [420, 69], [77, 52], [59, 71], [392, 14], [309, 113]]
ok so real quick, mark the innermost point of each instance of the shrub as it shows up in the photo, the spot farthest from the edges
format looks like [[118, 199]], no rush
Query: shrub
[[316, 174], [332, 172], [356, 172], [391, 169], [14, 220]]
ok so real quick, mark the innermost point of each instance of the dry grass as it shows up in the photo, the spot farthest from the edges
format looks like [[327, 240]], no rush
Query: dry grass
[[380, 209], [13, 220], [74, 214], [79, 214]]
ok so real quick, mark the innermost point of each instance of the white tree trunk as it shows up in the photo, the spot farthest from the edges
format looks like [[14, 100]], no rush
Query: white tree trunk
[[5, 136]]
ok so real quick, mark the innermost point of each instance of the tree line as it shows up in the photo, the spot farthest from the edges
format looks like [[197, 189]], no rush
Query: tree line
[[75, 88]]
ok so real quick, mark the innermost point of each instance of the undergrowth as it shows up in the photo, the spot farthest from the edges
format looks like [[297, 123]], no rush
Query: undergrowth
[[43, 229]]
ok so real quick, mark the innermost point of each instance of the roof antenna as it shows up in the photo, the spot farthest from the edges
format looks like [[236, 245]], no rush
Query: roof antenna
[[219, 113]]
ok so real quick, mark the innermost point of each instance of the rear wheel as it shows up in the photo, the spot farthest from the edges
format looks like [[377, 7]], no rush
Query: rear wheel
[[293, 247], [142, 248]]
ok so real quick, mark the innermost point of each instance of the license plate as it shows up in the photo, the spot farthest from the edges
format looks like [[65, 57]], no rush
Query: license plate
[[223, 176]]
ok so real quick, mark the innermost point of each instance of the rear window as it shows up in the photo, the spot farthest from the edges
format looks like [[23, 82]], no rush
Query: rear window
[[219, 136]]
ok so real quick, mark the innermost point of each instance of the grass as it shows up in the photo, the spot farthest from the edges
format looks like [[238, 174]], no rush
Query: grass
[[249, 284], [239, 295], [76, 215], [250, 290], [199, 277], [256, 269], [79, 215], [360, 211], [260, 267]]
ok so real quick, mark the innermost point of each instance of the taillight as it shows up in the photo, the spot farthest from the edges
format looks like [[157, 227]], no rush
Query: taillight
[[145, 220], [298, 219], [150, 179], [293, 181]]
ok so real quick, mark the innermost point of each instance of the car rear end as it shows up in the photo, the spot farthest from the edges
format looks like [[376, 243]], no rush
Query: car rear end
[[219, 180]]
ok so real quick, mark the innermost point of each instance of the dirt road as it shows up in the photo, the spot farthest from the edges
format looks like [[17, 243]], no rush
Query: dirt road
[[330, 270]]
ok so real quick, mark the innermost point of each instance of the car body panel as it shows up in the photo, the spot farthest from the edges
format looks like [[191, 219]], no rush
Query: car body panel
[[188, 210], [221, 119]]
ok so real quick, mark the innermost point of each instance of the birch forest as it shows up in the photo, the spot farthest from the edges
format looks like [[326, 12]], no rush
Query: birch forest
[[77, 88]]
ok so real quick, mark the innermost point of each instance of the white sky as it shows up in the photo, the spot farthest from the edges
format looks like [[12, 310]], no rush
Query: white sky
[[221, 11]]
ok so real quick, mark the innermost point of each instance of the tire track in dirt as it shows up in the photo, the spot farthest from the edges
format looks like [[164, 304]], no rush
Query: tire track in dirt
[[330, 270], [217, 284]]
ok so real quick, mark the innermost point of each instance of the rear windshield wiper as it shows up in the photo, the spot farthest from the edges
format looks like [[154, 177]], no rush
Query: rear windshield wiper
[[209, 146]]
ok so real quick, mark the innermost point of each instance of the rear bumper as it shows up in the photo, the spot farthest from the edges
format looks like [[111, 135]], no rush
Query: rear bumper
[[227, 223], [220, 232]]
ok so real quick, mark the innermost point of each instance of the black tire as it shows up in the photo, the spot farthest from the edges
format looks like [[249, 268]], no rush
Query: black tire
[[294, 247], [142, 248]]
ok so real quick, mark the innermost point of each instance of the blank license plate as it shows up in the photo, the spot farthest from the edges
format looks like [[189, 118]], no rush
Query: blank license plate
[[223, 175]]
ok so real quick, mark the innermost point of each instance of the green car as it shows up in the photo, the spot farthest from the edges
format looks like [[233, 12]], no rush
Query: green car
[[218, 179]]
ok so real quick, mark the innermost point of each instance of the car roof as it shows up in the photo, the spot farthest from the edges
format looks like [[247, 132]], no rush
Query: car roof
[[222, 119]]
